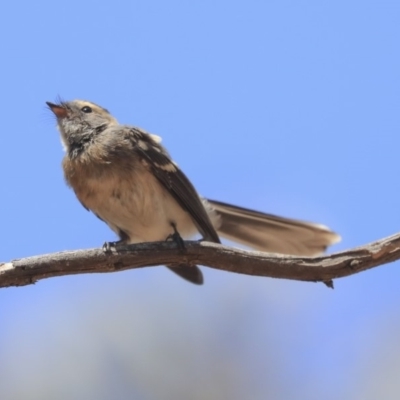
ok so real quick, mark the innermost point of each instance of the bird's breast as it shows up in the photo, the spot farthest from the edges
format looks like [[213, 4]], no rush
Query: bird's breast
[[129, 198]]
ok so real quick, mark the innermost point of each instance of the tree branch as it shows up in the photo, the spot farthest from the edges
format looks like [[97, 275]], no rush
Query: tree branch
[[317, 269]]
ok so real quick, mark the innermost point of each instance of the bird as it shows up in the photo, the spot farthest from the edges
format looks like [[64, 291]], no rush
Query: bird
[[126, 177]]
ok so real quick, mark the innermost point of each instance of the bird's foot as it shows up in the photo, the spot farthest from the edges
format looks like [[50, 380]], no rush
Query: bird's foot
[[108, 247]]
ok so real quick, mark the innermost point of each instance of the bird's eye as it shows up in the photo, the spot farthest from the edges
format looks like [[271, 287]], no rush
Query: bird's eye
[[86, 109]]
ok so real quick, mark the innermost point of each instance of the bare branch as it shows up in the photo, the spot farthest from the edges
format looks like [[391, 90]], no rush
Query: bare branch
[[318, 269]]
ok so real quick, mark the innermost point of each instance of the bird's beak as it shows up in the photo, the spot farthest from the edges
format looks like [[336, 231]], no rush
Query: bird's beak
[[59, 111]]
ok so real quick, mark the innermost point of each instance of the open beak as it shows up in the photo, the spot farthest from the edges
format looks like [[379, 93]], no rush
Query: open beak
[[59, 111]]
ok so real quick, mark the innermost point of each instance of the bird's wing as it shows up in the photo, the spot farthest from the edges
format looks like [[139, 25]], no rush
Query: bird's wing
[[174, 180]]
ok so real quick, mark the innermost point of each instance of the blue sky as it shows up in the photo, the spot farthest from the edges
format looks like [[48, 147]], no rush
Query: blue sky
[[283, 106]]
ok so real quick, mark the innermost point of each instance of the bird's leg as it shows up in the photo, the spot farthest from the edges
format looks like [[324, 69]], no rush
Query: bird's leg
[[176, 237]]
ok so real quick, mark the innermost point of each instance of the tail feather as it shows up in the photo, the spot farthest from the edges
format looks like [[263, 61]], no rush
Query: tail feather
[[190, 273], [267, 232]]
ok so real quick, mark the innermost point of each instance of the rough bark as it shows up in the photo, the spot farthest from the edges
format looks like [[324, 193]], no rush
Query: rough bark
[[317, 269]]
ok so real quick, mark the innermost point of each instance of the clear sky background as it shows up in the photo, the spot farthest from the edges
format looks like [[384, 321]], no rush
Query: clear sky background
[[283, 106]]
